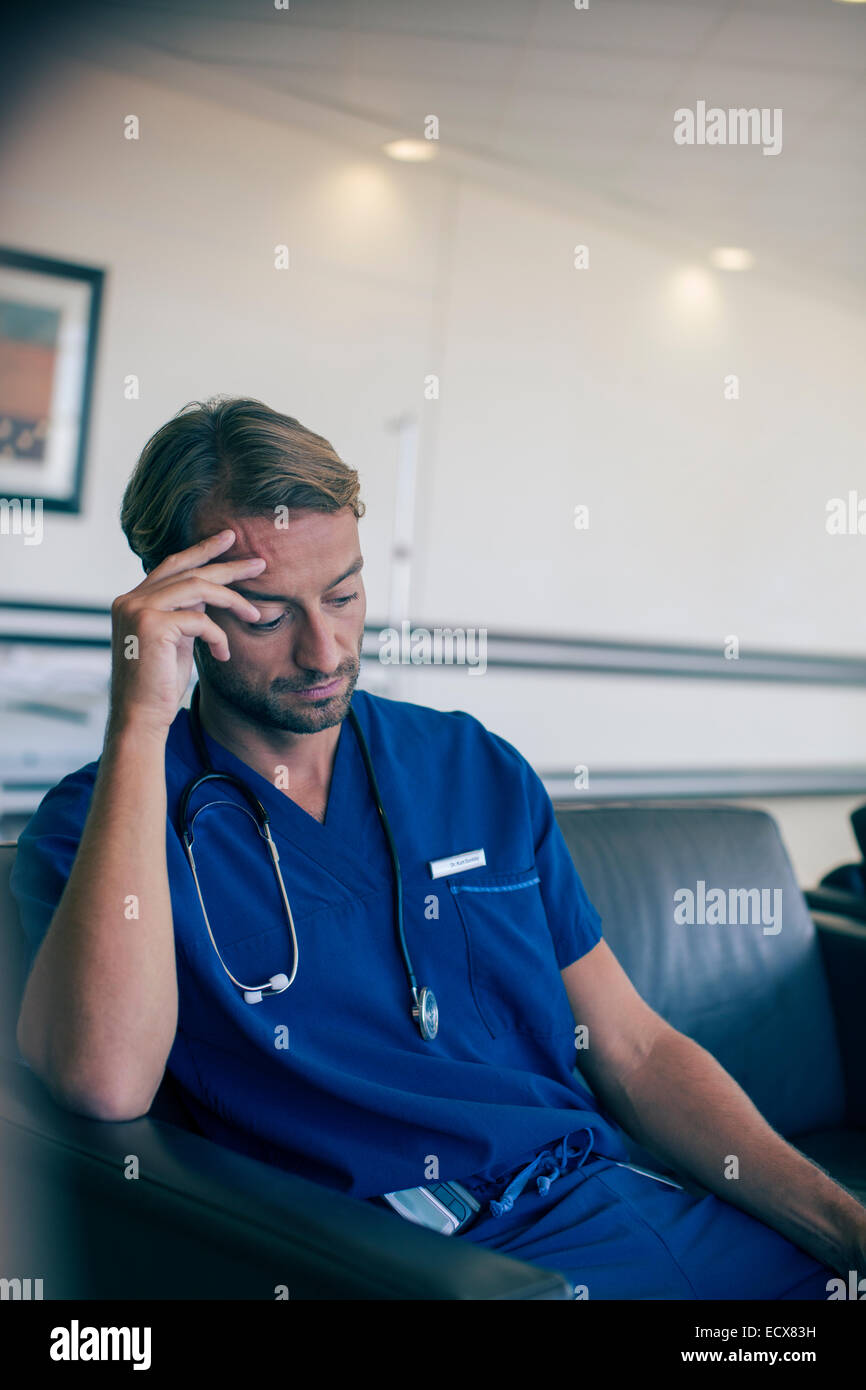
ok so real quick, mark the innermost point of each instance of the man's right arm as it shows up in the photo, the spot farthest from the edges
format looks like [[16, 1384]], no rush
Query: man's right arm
[[99, 1013]]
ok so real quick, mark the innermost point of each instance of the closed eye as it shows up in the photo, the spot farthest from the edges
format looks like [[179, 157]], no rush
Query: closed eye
[[275, 622]]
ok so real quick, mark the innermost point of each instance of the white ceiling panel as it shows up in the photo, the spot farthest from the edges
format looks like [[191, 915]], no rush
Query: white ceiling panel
[[534, 93]]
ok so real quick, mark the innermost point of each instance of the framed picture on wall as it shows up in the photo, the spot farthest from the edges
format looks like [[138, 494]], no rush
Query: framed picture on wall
[[49, 320]]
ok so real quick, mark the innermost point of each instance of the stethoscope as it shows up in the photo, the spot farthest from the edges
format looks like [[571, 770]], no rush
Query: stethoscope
[[425, 1010]]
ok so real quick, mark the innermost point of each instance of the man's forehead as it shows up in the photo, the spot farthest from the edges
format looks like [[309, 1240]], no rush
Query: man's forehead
[[314, 550], [251, 532], [280, 537]]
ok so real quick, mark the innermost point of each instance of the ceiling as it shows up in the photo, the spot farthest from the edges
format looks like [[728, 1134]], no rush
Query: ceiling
[[575, 107]]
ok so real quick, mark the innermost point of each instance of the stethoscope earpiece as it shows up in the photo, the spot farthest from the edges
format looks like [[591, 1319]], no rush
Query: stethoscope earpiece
[[425, 1010]]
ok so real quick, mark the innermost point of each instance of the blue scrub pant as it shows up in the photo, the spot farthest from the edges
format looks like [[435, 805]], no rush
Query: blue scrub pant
[[622, 1235]]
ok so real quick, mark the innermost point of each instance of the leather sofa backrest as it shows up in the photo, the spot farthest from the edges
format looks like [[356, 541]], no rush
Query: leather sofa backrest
[[753, 996]]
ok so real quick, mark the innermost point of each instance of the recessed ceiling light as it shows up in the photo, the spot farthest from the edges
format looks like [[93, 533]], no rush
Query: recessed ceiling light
[[413, 151], [732, 258], [694, 290]]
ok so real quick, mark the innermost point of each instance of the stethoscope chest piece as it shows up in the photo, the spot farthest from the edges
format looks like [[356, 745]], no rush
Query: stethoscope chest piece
[[426, 1013]]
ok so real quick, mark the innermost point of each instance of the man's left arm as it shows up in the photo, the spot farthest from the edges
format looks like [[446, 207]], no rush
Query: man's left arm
[[675, 1099]]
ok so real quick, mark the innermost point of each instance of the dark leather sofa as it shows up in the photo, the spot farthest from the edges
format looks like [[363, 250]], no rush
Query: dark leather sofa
[[782, 1010]]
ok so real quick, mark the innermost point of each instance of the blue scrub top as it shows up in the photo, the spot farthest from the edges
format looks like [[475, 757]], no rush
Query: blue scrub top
[[331, 1079]]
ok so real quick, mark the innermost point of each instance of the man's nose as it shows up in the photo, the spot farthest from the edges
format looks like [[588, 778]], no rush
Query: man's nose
[[316, 647]]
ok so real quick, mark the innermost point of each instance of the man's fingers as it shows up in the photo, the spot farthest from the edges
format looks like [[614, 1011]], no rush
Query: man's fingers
[[192, 624], [184, 591], [195, 555], [226, 572]]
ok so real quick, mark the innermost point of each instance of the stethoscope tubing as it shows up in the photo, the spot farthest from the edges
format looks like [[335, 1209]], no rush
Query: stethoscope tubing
[[262, 820]]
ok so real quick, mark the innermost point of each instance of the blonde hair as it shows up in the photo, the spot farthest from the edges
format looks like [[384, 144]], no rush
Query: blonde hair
[[236, 452]]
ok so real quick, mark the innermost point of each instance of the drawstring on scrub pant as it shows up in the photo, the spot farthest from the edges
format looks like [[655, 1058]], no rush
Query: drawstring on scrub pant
[[543, 1180]]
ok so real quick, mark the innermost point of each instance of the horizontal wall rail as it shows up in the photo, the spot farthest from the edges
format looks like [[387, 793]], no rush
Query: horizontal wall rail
[[81, 625], [70, 625]]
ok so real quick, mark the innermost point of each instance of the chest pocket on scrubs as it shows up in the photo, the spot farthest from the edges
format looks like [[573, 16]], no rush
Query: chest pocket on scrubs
[[512, 962]]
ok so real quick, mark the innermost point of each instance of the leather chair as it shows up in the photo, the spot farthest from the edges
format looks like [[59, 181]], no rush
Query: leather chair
[[198, 1221], [781, 1011], [843, 890]]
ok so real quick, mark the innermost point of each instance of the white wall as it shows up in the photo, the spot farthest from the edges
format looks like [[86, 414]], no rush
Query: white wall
[[601, 386], [185, 221], [557, 387]]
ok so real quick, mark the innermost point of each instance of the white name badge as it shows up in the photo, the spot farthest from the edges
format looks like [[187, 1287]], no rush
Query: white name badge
[[457, 864]]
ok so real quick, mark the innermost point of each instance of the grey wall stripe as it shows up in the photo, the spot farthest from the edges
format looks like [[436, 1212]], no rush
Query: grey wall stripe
[[634, 784], [90, 627]]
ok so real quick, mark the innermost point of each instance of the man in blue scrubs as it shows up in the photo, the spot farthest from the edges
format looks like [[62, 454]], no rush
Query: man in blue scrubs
[[331, 1078]]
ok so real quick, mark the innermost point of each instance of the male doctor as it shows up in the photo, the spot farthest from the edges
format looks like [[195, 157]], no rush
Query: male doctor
[[246, 525]]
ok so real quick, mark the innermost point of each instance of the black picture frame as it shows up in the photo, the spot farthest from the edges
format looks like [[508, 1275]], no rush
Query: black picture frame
[[76, 320]]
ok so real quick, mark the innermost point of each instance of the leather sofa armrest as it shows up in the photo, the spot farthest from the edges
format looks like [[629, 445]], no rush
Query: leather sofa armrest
[[836, 902], [843, 947], [143, 1209]]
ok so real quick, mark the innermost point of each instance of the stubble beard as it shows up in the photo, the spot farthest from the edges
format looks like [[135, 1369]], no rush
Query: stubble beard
[[267, 708]]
